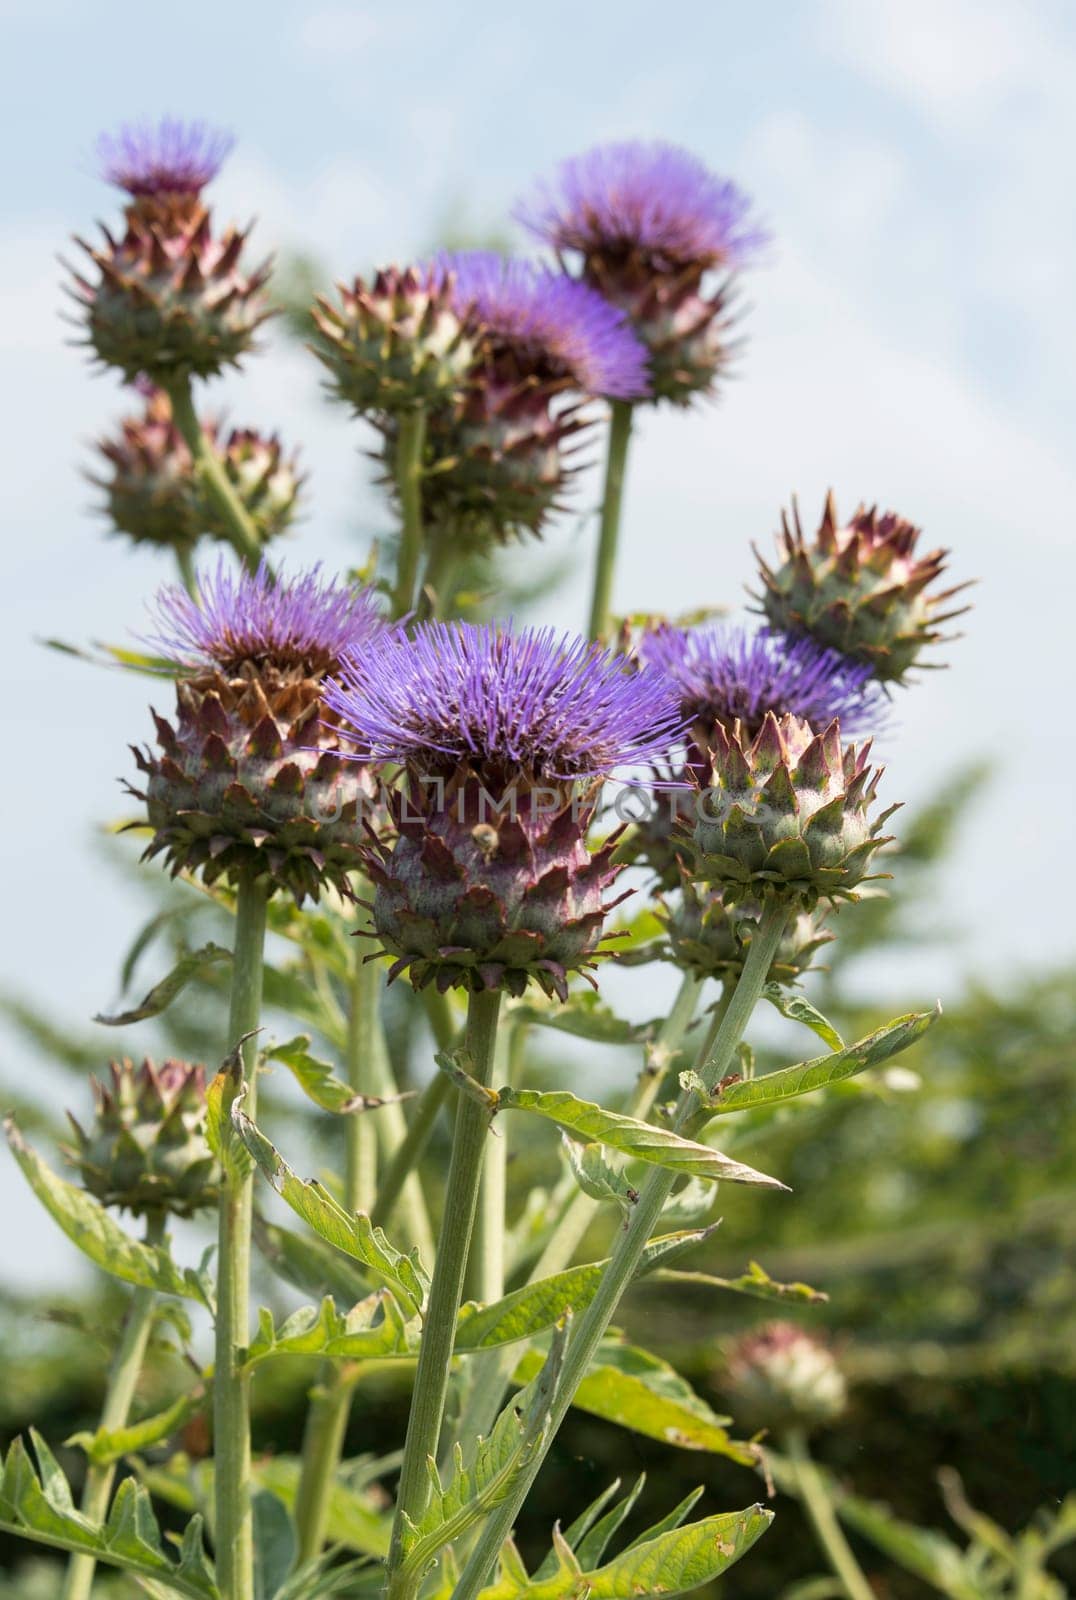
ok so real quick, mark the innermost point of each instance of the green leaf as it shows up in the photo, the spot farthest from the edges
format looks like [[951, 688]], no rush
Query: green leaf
[[586, 1016], [38, 1505], [590, 1549], [115, 655], [355, 1235], [637, 1390], [773, 1087], [799, 1009], [110, 1445], [755, 1281], [539, 1306], [162, 994], [921, 1551], [585, 1121], [373, 1330], [276, 1545], [473, 1490], [310, 1265], [597, 1177], [319, 1082], [356, 1519], [88, 1225], [677, 1561]]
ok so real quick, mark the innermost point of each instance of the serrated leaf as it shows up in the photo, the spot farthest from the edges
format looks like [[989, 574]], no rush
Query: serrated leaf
[[629, 1386], [586, 1016], [537, 1307], [674, 1562], [276, 1545], [88, 1225], [590, 1549], [354, 1234], [756, 1281], [474, 1488], [110, 1445], [805, 1076], [162, 994], [642, 1140], [596, 1176], [318, 1080], [373, 1330], [799, 1009], [38, 1505]]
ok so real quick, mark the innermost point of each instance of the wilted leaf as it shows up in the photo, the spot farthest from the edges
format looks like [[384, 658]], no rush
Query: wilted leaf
[[797, 1008], [162, 994], [318, 1080], [755, 1281], [109, 1445]]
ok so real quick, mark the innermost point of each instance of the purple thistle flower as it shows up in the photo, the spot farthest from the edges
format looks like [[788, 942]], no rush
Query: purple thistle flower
[[724, 674], [306, 621], [169, 157], [543, 705], [551, 325], [650, 199]]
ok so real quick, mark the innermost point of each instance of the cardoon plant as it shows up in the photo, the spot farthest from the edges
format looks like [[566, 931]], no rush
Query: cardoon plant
[[337, 764]]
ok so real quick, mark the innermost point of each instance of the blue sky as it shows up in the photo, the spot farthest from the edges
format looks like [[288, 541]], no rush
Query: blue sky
[[911, 340]]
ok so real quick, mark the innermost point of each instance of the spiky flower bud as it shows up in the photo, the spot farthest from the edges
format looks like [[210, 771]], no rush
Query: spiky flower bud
[[505, 740], [860, 588], [154, 496], [651, 226], [710, 938], [779, 1376], [170, 298], [786, 814], [498, 460], [254, 777], [729, 676], [146, 1148], [396, 343]]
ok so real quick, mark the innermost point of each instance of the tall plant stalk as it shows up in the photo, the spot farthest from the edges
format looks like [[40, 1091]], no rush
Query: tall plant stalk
[[439, 1324], [410, 444], [612, 499], [115, 1413], [624, 1262], [234, 1527], [811, 1491], [242, 532]]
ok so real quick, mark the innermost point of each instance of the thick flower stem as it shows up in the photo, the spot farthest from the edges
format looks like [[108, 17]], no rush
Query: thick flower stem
[[439, 1326], [484, 1401], [234, 1530], [330, 1406], [242, 533], [122, 1381], [615, 463], [410, 444], [811, 1493], [624, 1262]]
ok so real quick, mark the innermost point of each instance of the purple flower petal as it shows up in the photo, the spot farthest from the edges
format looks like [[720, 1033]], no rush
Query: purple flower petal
[[168, 157]]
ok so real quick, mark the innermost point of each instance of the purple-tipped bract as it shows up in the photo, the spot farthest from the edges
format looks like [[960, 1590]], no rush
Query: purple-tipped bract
[[306, 621], [553, 326], [534, 704], [652, 199], [167, 157], [728, 674]]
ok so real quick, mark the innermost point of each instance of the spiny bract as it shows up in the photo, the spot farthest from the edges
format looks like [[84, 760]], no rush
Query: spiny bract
[[711, 938]]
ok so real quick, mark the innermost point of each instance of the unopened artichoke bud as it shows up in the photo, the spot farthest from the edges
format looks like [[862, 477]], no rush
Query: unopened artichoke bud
[[657, 235], [505, 740], [859, 588], [154, 496], [712, 939], [146, 1150], [787, 815], [499, 461], [779, 1377], [169, 297], [401, 341], [256, 777]]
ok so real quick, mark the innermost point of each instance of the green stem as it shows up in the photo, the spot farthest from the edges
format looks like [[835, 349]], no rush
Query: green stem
[[484, 1401], [439, 1326], [187, 574], [439, 578], [233, 1530], [330, 1406], [811, 1492], [391, 1128], [410, 444], [115, 1412], [242, 532], [615, 462], [624, 1262]]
